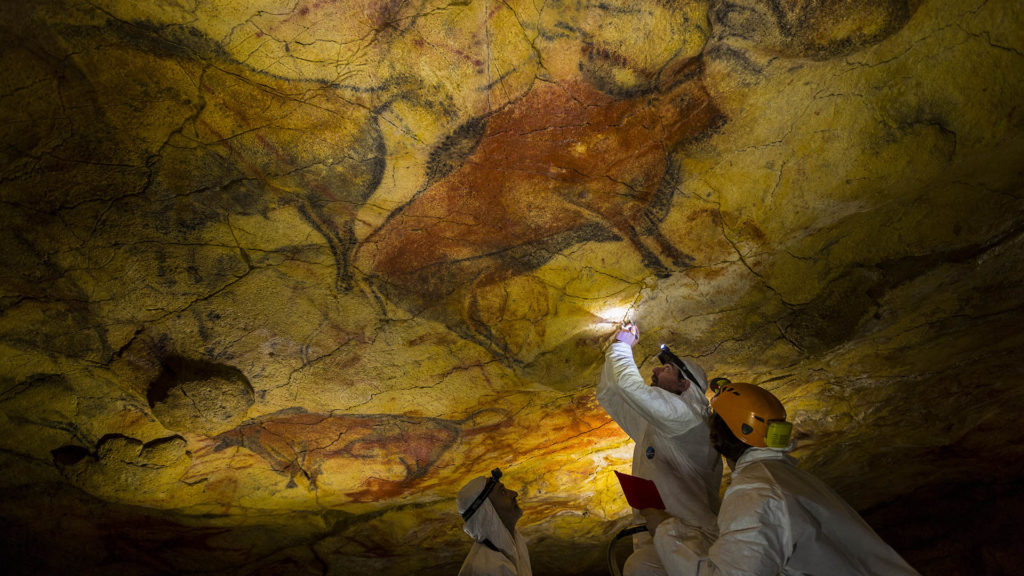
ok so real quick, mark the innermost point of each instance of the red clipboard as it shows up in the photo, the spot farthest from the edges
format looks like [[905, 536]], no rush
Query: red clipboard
[[640, 492]]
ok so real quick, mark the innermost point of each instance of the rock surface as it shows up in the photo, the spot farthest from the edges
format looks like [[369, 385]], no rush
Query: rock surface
[[277, 279]]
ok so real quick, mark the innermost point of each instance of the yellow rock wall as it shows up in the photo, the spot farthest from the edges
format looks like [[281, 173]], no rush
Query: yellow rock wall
[[277, 278]]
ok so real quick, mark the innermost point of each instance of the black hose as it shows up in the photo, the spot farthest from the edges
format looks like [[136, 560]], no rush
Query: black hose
[[613, 565]]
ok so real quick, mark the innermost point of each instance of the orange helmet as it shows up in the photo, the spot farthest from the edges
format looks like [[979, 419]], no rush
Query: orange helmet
[[753, 414]]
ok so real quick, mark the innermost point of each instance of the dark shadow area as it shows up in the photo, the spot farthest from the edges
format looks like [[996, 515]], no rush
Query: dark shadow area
[[178, 369], [957, 530]]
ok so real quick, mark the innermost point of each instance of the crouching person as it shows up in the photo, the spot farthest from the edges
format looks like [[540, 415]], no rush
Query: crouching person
[[490, 512], [775, 518]]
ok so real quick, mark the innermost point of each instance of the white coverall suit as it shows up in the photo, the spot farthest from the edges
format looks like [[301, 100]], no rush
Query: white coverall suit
[[778, 519], [495, 551], [672, 448]]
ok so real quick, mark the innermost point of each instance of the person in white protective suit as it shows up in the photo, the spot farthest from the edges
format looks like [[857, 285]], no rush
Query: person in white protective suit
[[668, 422], [775, 518], [490, 512]]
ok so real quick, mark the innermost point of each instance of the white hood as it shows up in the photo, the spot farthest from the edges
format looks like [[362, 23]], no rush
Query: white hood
[[485, 524]]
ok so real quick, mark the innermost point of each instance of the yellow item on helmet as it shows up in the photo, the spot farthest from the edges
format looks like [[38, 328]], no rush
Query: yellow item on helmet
[[753, 414]]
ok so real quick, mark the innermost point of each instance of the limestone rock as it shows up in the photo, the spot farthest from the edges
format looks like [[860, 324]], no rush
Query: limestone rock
[[125, 469], [200, 397], [277, 279]]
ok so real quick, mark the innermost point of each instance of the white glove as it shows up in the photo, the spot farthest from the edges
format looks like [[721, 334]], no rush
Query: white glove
[[628, 334]]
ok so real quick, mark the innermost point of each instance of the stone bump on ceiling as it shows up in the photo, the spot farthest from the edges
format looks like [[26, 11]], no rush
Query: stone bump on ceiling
[[278, 278]]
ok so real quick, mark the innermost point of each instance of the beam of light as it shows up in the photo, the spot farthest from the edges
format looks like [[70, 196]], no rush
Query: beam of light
[[614, 315], [620, 314]]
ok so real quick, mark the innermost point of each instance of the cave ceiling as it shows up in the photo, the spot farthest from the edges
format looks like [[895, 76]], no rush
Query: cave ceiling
[[278, 278]]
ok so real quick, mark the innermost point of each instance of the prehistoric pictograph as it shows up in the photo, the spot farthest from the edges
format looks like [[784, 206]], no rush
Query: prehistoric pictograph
[[393, 451], [591, 157], [565, 164], [278, 278]]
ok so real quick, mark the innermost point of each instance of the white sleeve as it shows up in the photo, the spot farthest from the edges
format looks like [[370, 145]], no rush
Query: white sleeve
[[751, 540], [625, 395], [619, 364]]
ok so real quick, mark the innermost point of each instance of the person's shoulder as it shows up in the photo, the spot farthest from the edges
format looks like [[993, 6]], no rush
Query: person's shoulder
[[756, 476], [755, 493], [750, 505], [684, 409], [761, 458], [484, 560]]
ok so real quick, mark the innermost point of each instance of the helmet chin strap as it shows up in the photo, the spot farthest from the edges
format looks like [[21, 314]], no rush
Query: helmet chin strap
[[685, 378], [667, 357]]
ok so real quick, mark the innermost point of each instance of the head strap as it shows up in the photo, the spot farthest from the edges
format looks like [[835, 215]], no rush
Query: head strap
[[491, 482], [667, 357]]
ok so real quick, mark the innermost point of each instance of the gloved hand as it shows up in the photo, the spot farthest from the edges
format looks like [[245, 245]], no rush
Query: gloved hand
[[628, 334], [654, 517]]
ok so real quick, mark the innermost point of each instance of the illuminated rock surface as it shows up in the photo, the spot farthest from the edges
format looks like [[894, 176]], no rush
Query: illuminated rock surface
[[278, 278]]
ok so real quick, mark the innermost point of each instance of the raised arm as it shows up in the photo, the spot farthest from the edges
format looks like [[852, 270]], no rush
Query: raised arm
[[619, 366], [667, 412]]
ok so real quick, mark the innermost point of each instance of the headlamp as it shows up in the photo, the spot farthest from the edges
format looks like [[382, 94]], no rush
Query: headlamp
[[667, 357], [491, 483], [717, 384]]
